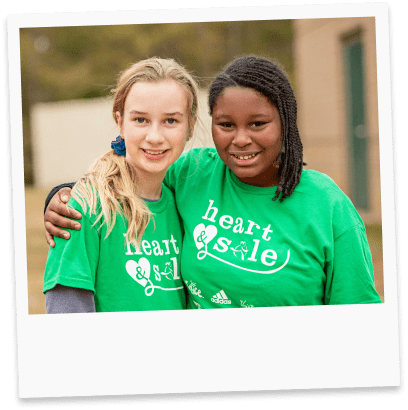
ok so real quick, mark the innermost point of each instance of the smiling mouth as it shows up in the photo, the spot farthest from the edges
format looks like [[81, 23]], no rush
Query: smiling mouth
[[154, 152], [247, 156]]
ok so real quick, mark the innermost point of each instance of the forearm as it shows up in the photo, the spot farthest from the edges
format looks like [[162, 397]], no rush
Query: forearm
[[65, 299]]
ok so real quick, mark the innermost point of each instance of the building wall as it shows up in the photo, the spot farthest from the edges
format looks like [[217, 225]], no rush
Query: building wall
[[322, 101]]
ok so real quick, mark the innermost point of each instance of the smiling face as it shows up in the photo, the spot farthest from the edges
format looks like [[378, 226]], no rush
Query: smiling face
[[247, 133], [155, 125]]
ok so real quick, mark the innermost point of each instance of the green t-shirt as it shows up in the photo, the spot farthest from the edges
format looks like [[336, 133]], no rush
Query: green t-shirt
[[241, 249], [121, 277]]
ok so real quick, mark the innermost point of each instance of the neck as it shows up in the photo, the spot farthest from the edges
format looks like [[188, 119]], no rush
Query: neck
[[150, 187]]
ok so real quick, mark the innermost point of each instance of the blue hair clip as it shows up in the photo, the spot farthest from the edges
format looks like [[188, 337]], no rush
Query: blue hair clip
[[119, 146]]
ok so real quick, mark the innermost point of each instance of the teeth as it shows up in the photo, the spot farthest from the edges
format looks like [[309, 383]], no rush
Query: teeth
[[154, 152], [244, 157]]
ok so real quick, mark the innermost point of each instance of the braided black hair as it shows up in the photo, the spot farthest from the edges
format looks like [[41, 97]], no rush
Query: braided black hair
[[265, 76]]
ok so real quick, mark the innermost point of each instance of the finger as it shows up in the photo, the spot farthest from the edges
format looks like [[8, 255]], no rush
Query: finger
[[73, 213], [56, 231], [60, 221], [59, 205], [49, 239], [64, 194], [62, 209]]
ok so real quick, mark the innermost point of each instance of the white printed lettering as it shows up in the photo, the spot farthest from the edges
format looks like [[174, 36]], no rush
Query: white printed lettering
[[224, 243], [166, 242], [254, 251], [157, 272], [211, 208], [226, 219], [146, 247], [251, 224], [173, 242], [128, 250], [266, 231], [175, 268], [265, 254], [157, 250], [238, 228]]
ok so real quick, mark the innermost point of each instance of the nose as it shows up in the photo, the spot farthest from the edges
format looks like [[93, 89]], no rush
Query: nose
[[241, 138], [154, 135]]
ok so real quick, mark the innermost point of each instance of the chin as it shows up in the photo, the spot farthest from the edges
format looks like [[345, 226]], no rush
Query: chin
[[242, 173]]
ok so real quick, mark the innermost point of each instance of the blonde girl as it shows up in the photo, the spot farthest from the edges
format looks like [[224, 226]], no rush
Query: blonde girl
[[126, 257]]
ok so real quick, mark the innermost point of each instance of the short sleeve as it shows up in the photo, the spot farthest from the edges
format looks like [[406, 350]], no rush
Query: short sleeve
[[350, 275], [73, 262]]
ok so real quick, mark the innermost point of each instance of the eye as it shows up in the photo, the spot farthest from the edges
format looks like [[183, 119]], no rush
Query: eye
[[226, 124], [171, 121], [140, 120], [258, 124]]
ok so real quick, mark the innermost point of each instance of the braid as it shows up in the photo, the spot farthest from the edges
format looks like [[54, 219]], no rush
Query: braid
[[264, 76]]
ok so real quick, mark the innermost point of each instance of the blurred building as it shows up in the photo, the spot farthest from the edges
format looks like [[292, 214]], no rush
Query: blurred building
[[336, 89], [67, 136]]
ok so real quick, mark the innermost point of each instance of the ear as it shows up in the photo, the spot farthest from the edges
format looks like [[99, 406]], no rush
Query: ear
[[192, 128], [119, 120]]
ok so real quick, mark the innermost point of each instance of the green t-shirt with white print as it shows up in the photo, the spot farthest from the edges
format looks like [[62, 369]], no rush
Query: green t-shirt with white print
[[123, 278], [241, 249]]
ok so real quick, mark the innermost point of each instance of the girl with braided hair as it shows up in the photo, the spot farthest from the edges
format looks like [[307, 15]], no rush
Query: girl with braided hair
[[258, 229], [265, 77]]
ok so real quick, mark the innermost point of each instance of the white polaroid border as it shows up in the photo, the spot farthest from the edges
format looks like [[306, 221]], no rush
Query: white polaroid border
[[222, 350]]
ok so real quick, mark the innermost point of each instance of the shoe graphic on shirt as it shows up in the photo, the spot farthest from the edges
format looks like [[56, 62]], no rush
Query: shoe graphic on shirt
[[221, 298], [240, 249]]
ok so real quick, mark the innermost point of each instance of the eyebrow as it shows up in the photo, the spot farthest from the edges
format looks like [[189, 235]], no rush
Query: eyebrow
[[221, 116], [174, 113], [218, 117], [137, 112], [166, 113]]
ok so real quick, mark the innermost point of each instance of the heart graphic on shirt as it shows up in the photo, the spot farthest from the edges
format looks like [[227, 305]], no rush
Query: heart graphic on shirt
[[139, 271], [203, 235]]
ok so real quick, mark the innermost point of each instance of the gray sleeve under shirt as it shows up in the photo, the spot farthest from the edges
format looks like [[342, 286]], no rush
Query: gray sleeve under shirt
[[64, 299]]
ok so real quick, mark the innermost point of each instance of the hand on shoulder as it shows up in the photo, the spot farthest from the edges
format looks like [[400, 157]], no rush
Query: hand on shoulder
[[57, 216]]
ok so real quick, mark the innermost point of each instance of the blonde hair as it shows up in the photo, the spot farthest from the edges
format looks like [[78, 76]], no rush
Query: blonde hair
[[111, 177], [155, 70]]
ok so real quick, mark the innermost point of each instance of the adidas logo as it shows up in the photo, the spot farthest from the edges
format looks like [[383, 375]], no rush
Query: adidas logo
[[221, 298]]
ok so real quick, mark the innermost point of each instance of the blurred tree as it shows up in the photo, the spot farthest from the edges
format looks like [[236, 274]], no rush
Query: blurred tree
[[60, 63]]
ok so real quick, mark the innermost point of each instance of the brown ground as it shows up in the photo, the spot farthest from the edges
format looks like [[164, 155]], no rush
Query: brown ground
[[37, 250]]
